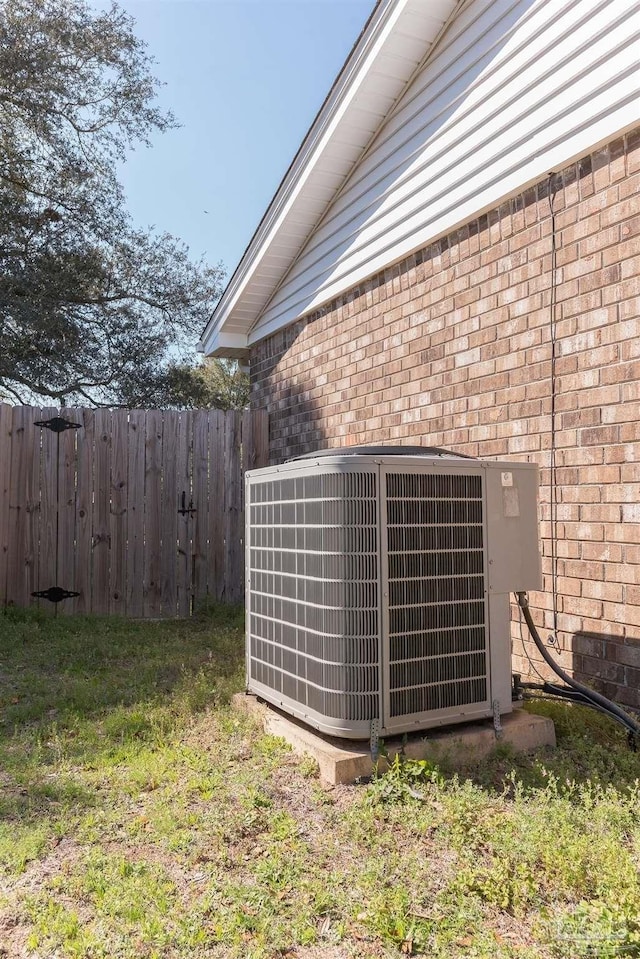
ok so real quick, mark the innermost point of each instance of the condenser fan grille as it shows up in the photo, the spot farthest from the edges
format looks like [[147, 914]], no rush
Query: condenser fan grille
[[313, 593], [437, 618]]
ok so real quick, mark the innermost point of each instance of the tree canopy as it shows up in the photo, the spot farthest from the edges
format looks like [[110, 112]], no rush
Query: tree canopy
[[216, 383], [91, 308]]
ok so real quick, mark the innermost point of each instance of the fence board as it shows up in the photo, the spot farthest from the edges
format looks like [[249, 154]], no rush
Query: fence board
[[233, 532], [200, 487], [255, 439], [135, 514], [32, 442], [67, 506], [100, 510], [261, 438], [18, 580], [153, 514], [5, 481], [248, 450], [185, 502], [84, 510], [216, 495], [118, 521], [169, 516], [48, 545], [15, 559]]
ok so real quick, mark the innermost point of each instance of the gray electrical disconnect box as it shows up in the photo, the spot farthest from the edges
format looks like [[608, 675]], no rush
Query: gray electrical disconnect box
[[378, 584]]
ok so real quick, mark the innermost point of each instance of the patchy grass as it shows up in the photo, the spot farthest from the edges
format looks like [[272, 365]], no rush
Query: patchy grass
[[141, 817]]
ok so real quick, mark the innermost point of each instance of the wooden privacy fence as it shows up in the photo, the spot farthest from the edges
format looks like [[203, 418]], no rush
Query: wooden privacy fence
[[137, 513]]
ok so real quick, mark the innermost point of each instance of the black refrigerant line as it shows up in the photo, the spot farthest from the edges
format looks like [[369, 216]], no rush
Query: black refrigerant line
[[573, 691]]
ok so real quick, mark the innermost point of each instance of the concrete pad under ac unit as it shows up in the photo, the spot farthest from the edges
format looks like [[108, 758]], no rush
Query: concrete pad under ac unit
[[344, 761]]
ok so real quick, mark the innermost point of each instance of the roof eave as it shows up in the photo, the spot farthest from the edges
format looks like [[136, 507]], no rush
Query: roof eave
[[332, 118]]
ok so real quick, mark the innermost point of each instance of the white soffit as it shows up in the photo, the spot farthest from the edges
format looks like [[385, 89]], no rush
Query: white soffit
[[392, 46]]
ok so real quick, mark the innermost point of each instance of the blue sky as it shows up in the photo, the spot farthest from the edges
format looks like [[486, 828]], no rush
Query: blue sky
[[245, 79]]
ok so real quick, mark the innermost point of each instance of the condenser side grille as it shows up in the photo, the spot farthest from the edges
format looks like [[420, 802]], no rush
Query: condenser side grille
[[313, 591], [436, 604]]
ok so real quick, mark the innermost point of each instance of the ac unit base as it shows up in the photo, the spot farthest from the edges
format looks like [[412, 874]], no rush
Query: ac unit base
[[340, 761]]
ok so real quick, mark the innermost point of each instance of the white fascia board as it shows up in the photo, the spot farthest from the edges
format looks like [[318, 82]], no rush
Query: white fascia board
[[331, 117], [230, 345]]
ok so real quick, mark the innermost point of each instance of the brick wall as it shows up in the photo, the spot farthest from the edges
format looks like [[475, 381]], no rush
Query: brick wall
[[453, 347]]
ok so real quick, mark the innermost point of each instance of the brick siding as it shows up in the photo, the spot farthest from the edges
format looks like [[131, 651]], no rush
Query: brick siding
[[452, 347]]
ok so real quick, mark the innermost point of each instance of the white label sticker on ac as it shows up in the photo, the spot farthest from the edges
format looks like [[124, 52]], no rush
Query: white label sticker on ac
[[507, 479]]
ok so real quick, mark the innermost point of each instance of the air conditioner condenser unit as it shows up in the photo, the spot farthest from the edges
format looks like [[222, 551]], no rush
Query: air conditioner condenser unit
[[378, 582]]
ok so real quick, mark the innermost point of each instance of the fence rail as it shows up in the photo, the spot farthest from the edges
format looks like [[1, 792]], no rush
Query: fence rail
[[137, 513]]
